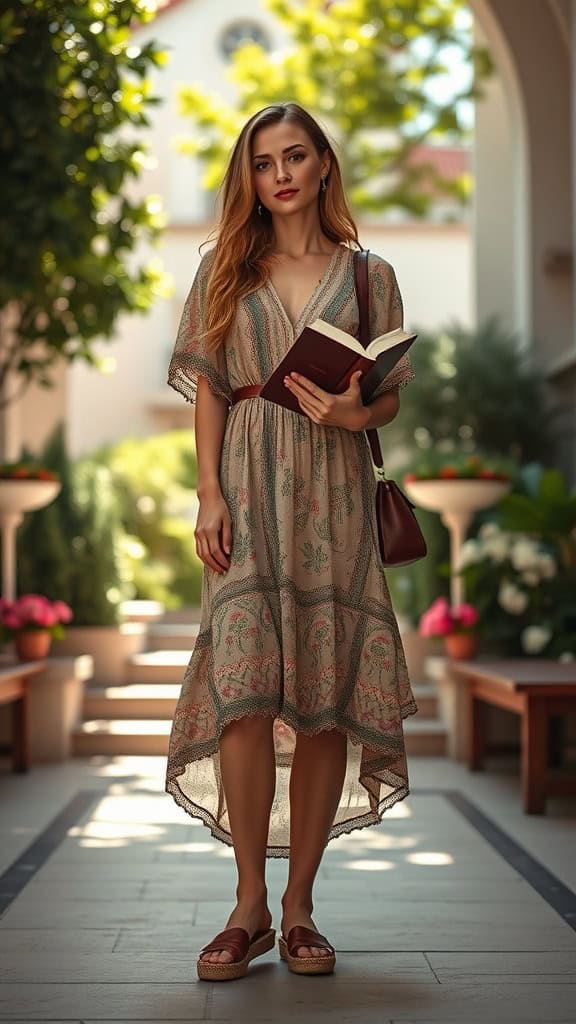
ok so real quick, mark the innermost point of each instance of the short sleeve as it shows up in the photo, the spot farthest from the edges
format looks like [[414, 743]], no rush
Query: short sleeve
[[191, 356], [386, 314]]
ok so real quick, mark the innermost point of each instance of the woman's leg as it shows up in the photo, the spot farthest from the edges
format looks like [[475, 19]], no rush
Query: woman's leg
[[316, 781], [248, 767]]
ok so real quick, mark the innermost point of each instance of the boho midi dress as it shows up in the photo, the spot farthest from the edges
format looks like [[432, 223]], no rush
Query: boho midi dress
[[301, 626]]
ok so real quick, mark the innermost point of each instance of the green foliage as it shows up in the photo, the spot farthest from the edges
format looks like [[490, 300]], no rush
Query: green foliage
[[74, 94], [474, 391], [521, 570], [154, 480], [68, 549], [367, 69], [546, 510]]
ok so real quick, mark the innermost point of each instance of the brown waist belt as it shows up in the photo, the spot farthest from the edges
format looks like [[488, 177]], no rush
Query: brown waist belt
[[250, 391]]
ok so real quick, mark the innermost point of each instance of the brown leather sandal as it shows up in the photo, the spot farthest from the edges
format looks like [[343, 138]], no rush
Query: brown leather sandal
[[300, 936], [243, 949]]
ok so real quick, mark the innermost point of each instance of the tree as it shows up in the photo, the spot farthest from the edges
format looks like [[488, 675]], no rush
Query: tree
[[368, 69], [73, 85], [474, 390]]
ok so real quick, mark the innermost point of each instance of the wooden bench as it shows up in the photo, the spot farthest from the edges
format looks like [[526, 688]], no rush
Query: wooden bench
[[534, 689], [14, 682]]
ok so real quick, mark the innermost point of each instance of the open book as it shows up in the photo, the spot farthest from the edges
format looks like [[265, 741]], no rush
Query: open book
[[329, 356]]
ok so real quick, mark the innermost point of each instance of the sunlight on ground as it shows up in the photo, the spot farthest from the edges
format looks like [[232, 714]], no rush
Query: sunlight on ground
[[187, 847], [369, 865], [429, 858]]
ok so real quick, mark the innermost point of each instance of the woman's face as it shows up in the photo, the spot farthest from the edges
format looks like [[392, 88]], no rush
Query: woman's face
[[286, 167]]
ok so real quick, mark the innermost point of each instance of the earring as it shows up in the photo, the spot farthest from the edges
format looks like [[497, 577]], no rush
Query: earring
[[324, 185], [259, 209]]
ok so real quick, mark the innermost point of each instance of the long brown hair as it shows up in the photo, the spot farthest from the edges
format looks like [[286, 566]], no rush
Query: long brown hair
[[245, 238]]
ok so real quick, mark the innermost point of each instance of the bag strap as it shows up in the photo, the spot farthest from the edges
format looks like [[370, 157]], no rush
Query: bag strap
[[362, 285]]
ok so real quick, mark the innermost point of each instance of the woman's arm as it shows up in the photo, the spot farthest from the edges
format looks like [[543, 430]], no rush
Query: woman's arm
[[213, 531], [382, 410], [209, 426]]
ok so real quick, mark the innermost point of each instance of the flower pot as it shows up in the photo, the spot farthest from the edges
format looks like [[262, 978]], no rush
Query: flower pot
[[32, 644], [461, 645]]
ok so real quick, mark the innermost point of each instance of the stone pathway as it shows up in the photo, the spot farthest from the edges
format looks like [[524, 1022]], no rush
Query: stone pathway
[[431, 922]]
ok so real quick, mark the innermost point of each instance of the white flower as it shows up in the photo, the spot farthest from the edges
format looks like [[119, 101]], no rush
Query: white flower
[[531, 579], [497, 547], [470, 554], [547, 566], [512, 599], [488, 530], [535, 638], [525, 554]]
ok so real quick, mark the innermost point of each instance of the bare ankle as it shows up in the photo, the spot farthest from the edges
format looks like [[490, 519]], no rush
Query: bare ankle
[[252, 892], [297, 898]]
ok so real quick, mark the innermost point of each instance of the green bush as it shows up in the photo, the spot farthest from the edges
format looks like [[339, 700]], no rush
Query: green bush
[[67, 550], [154, 480]]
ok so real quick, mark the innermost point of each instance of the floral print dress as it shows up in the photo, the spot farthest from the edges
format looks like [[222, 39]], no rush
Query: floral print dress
[[301, 626]]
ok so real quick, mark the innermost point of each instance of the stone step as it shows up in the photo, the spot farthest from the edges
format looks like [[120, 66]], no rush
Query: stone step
[[182, 615], [145, 736], [425, 737], [110, 737], [426, 698], [141, 611], [172, 636], [158, 666], [137, 701]]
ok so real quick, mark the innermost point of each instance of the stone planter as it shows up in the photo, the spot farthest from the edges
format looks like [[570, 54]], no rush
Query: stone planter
[[108, 646], [56, 697], [417, 649], [16, 498], [456, 500]]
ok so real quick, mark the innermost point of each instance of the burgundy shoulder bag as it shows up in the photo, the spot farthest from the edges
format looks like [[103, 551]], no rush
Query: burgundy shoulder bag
[[399, 535]]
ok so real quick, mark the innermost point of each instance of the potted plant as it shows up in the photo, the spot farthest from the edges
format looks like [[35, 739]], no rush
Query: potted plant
[[32, 622], [457, 625]]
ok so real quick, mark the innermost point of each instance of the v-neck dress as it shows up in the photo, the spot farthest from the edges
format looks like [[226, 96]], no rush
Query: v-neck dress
[[301, 626]]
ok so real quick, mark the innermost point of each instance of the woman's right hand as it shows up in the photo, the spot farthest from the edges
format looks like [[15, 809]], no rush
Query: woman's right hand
[[213, 531]]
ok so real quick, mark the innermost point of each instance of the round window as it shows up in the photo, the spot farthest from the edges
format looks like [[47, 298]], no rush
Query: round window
[[241, 32]]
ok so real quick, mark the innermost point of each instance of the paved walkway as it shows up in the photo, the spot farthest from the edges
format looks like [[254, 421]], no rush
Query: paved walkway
[[437, 915]]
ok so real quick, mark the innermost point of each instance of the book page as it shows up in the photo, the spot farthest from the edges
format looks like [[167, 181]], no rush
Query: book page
[[387, 341], [335, 334]]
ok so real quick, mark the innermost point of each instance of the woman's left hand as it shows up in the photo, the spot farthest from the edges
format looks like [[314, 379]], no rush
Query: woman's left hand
[[345, 410]]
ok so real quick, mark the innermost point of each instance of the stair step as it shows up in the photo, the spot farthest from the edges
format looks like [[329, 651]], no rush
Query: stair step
[[109, 736], [138, 700], [426, 698], [172, 636], [121, 736], [141, 611], [425, 737], [183, 615], [159, 666]]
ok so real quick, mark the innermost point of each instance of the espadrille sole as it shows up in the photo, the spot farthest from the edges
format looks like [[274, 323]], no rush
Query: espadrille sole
[[208, 971], [306, 964]]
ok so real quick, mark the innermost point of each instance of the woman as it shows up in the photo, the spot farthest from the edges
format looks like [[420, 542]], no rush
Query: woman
[[288, 731]]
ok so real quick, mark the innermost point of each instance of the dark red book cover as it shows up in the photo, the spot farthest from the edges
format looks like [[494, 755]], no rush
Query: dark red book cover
[[330, 365]]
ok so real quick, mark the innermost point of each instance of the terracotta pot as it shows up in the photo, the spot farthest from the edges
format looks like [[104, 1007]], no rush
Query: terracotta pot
[[32, 644], [461, 645]]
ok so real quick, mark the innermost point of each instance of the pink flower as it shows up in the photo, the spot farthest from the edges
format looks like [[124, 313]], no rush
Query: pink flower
[[33, 610], [12, 621], [440, 619], [62, 611], [437, 621], [466, 614]]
